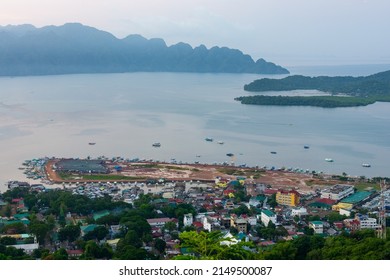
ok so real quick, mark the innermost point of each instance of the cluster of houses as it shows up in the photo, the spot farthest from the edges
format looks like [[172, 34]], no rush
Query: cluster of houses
[[218, 208]]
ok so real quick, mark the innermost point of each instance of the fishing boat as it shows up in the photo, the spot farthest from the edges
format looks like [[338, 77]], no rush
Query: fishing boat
[[366, 165], [220, 142], [156, 144], [306, 147], [91, 143], [329, 160], [273, 152], [230, 154], [208, 139]]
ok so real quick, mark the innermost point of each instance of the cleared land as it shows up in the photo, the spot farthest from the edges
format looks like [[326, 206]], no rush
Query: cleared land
[[152, 171]]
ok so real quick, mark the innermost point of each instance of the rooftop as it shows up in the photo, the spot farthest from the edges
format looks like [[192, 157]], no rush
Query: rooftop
[[356, 197], [268, 212]]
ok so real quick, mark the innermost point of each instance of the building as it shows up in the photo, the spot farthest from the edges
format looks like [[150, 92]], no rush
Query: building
[[210, 223], [27, 242], [267, 216], [361, 222], [287, 197], [188, 220], [317, 226], [302, 211], [337, 192], [239, 223]]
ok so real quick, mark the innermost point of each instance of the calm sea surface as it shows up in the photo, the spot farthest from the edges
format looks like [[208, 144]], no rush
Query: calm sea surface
[[124, 114]]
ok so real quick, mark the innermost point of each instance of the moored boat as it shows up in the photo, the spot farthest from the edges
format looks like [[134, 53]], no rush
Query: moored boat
[[366, 165]]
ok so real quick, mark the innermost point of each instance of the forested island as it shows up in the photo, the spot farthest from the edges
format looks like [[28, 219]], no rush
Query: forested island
[[356, 91], [316, 101], [76, 48]]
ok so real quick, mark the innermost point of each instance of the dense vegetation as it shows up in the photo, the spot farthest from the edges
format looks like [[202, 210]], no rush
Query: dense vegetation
[[373, 85], [361, 91], [361, 245], [317, 101]]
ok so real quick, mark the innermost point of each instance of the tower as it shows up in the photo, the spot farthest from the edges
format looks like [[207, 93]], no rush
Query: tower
[[382, 212]]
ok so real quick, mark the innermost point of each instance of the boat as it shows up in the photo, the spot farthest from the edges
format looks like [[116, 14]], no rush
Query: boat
[[91, 143], [209, 139], [273, 153], [306, 147], [156, 144], [366, 165], [329, 160], [230, 154], [220, 142]]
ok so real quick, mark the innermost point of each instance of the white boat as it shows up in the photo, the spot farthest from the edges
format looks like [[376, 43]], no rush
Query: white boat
[[366, 165], [329, 160], [220, 142]]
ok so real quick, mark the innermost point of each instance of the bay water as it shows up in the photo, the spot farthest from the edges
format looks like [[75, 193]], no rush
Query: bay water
[[125, 113]]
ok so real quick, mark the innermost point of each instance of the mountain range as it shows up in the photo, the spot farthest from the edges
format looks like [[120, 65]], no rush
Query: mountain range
[[76, 48]]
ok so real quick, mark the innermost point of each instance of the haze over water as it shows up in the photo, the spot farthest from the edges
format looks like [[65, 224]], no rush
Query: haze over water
[[124, 114]]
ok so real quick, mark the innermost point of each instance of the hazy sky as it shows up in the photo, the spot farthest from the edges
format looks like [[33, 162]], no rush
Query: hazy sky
[[287, 32]]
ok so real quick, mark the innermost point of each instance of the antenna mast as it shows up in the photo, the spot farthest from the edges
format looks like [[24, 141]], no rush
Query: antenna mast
[[382, 212]]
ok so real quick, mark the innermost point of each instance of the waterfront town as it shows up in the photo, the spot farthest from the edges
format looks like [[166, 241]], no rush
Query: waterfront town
[[116, 208]]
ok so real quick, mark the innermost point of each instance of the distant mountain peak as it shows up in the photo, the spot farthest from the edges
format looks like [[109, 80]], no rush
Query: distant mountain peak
[[77, 48]]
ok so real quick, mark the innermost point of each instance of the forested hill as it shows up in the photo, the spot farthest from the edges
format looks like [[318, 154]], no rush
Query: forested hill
[[75, 48], [374, 85]]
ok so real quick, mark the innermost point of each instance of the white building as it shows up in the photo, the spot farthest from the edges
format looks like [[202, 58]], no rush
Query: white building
[[210, 224], [188, 220], [302, 211], [267, 216], [337, 192], [366, 222], [318, 226]]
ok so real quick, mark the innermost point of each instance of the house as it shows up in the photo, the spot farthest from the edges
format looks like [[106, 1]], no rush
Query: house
[[240, 224], [210, 223], [256, 201], [287, 197], [302, 211], [74, 253], [188, 219], [267, 216], [229, 239], [317, 226]]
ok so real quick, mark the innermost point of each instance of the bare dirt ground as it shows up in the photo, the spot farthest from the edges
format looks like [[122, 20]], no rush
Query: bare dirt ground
[[205, 173]]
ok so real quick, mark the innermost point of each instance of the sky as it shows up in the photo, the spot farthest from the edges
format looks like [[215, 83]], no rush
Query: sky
[[286, 32]]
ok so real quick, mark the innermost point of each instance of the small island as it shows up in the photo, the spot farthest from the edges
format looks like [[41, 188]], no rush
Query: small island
[[345, 91]]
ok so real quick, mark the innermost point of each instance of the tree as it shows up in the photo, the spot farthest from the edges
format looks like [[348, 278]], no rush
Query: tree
[[60, 254], [69, 232], [170, 226], [40, 229], [8, 210], [98, 233], [160, 245], [207, 245], [7, 240], [272, 201]]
